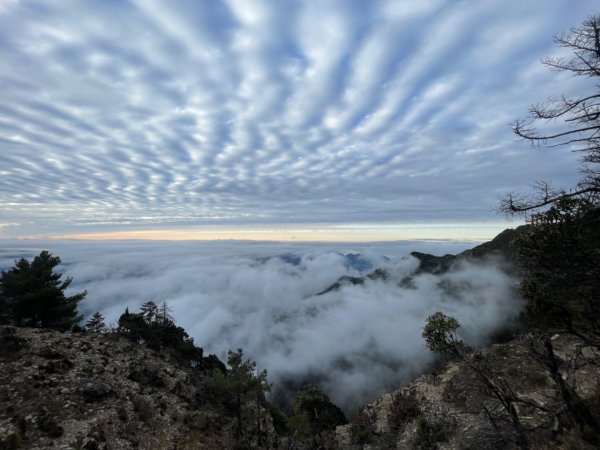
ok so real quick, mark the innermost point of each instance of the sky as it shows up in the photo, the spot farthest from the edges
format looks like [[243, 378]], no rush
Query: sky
[[247, 119]]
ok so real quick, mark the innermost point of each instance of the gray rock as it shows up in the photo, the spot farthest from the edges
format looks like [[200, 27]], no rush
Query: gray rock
[[145, 374], [94, 390]]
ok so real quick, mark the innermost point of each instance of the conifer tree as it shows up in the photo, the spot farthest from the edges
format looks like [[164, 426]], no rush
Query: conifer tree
[[149, 311], [242, 385], [32, 294], [95, 323]]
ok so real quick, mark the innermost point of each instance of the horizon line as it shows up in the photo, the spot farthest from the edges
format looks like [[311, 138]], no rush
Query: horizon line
[[461, 231]]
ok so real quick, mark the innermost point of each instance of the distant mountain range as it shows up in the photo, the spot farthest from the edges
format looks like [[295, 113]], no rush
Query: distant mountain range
[[352, 261], [502, 247]]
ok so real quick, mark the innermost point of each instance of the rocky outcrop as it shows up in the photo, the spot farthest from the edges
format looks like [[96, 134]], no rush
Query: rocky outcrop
[[451, 408], [100, 391]]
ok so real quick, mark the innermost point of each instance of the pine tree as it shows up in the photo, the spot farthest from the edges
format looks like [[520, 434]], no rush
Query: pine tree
[[155, 327], [32, 294], [149, 311], [241, 385], [95, 324]]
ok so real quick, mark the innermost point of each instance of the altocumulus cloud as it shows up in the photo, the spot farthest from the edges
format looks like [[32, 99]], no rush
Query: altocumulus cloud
[[140, 113], [357, 342]]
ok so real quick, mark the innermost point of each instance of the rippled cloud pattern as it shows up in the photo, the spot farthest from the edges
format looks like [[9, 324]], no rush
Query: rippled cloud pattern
[[117, 114]]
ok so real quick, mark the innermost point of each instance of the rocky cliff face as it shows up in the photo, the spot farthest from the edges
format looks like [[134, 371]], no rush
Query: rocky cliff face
[[98, 391], [101, 391], [451, 408], [454, 407]]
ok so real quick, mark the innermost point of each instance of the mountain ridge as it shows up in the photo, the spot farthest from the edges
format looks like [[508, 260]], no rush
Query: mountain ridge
[[502, 248]]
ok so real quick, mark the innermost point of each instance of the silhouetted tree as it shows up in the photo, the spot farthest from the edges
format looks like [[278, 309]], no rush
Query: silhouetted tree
[[149, 311], [212, 364], [32, 294], [163, 314], [560, 250], [569, 122], [132, 325], [95, 324], [240, 386], [161, 334]]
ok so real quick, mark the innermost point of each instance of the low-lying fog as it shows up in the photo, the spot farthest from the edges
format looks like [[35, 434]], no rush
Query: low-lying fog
[[356, 342]]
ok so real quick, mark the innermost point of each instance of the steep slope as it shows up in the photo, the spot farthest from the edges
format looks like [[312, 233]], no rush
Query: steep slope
[[502, 248], [101, 391], [452, 408]]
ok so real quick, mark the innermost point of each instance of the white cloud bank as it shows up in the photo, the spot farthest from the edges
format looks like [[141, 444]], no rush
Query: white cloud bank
[[357, 342]]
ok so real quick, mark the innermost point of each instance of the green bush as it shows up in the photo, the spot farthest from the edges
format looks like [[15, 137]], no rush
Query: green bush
[[241, 389], [440, 336], [299, 425]]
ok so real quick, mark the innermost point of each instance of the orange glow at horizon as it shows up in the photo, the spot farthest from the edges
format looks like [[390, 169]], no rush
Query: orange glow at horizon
[[329, 233]]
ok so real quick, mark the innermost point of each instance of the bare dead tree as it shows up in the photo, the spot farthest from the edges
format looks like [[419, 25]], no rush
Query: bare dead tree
[[573, 123]]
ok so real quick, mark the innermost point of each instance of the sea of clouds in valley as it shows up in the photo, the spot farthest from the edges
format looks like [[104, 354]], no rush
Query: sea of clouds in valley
[[356, 342]]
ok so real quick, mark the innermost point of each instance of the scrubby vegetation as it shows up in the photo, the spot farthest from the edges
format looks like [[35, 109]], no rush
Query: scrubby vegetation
[[560, 255], [159, 332], [314, 416]]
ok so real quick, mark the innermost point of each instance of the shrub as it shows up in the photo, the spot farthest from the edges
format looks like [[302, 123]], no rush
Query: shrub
[[322, 414], [299, 424], [159, 334], [143, 408], [363, 426], [429, 433], [440, 336], [95, 323], [404, 407]]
